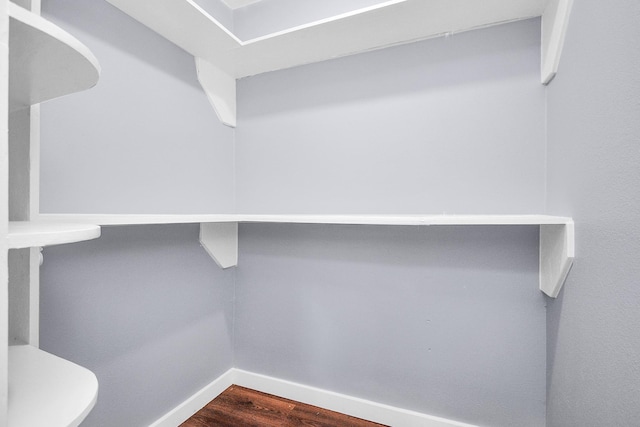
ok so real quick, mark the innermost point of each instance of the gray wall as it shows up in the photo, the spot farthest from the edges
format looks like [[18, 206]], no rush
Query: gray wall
[[594, 175], [453, 125], [447, 321], [145, 139], [144, 308]]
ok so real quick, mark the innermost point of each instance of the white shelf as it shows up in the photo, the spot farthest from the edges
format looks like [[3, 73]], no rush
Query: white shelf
[[389, 23], [133, 219], [219, 233], [407, 219], [45, 390], [221, 57], [45, 62], [26, 234]]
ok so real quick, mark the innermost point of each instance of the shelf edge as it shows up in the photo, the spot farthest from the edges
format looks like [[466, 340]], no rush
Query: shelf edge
[[26, 234], [346, 219], [31, 84], [557, 252], [34, 374]]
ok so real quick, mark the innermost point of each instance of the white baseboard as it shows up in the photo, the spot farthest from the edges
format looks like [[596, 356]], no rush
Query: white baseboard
[[356, 407], [186, 409]]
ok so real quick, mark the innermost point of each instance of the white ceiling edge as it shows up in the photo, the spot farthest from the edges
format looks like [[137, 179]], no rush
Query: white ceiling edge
[[236, 4]]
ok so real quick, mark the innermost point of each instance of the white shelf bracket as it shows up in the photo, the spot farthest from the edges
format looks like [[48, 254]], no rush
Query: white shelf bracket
[[220, 240], [220, 88], [555, 21], [557, 251]]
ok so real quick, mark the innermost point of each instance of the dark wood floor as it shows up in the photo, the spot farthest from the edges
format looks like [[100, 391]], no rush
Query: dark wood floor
[[239, 406]]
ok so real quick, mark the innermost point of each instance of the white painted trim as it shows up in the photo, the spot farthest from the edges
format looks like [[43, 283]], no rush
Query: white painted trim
[[349, 405], [34, 161], [4, 208], [353, 406], [27, 234], [220, 88], [219, 233], [68, 67], [63, 392], [555, 21], [220, 240], [196, 402], [34, 210], [344, 34], [444, 219], [557, 251], [34, 296], [36, 5]]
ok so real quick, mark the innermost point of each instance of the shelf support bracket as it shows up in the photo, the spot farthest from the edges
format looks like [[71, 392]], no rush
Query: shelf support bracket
[[220, 88], [555, 21], [557, 251], [220, 240]]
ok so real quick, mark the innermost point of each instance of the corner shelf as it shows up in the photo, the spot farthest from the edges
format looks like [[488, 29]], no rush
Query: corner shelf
[[45, 390], [26, 234], [45, 62], [219, 233], [221, 57]]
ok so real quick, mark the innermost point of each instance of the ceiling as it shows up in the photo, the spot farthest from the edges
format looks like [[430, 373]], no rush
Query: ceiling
[[235, 4]]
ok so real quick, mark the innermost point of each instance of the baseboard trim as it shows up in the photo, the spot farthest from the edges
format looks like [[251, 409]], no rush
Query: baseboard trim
[[197, 401], [356, 407]]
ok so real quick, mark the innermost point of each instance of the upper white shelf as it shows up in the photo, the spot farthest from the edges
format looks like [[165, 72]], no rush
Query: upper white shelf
[[45, 390], [221, 57], [386, 24], [45, 62], [26, 234]]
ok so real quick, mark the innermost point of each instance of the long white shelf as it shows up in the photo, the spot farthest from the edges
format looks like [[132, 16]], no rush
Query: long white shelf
[[385, 24], [26, 234], [355, 219], [221, 57], [45, 62], [45, 390], [407, 219], [219, 233]]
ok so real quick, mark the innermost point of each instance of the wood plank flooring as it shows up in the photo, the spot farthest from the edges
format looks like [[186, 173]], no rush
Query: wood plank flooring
[[240, 406]]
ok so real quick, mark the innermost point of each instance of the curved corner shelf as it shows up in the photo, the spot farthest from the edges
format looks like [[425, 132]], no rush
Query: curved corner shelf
[[45, 62], [45, 390], [26, 234]]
